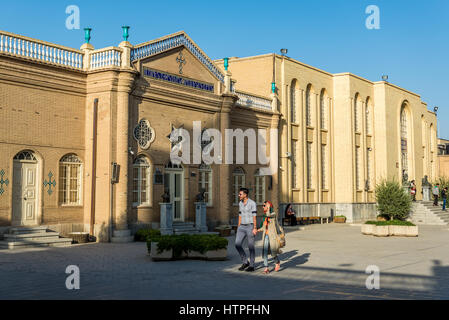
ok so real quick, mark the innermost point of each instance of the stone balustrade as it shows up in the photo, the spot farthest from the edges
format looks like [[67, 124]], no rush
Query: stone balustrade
[[15, 45], [106, 57], [251, 101]]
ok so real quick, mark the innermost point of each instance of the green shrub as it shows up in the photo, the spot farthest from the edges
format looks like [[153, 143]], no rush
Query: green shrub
[[185, 242], [392, 200], [145, 234], [392, 223]]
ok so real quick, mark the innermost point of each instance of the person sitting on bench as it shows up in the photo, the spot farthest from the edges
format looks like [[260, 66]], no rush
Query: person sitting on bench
[[290, 213]]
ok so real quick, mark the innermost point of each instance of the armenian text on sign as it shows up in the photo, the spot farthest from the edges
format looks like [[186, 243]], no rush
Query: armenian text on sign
[[159, 75]]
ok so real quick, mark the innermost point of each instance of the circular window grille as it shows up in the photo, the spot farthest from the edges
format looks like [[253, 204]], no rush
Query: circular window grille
[[144, 134]]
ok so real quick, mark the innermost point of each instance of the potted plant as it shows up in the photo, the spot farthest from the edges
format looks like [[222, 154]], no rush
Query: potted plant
[[394, 205]]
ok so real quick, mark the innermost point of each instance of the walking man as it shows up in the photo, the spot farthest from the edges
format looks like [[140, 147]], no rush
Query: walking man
[[436, 193], [444, 197], [247, 228]]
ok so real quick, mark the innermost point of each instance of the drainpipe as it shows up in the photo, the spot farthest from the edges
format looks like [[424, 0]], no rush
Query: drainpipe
[[94, 166]]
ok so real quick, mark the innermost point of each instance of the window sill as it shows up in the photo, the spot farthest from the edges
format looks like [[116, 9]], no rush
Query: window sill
[[71, 205], [142, 206]]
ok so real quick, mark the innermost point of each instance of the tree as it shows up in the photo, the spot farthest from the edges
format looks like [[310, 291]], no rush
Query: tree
[[392, 200]]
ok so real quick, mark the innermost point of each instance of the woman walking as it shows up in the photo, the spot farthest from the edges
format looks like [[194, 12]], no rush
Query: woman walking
[[271, 240]]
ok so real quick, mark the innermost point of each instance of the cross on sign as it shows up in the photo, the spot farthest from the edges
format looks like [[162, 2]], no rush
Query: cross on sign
[[180, 59]]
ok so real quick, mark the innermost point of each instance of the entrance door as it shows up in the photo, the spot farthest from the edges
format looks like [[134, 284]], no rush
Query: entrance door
[[174, 182], [25, 193]]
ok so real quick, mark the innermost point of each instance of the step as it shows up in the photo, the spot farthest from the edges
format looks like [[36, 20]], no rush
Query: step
[[31, 236], [22, 230], [60, 242]]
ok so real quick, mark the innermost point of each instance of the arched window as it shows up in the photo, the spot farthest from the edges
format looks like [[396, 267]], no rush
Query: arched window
[[70, 180], [404, 142], [238, 178], [205, 182], [25, 155], [357, 106], [358, 168], [308, 106], [259, 193], [294, 102], [141, 181]]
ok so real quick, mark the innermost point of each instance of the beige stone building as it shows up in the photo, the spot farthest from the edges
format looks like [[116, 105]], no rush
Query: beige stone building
[[71, 118], [443, 157], [340, 134]]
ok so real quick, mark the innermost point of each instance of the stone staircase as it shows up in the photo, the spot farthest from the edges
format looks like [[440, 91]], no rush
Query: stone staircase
[[184, 228], [426, 213], [32, 237]]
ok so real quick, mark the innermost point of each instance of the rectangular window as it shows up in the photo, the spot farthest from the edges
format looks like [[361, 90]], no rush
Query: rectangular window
[[141, 180], [323, 167], [368, 169], [239, 182], [205, 182], [357, 168], [260, 189], [70, 184], [295, 183], [309, 165]]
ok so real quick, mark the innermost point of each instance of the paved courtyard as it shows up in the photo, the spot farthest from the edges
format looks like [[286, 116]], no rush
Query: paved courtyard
[[320, 262]]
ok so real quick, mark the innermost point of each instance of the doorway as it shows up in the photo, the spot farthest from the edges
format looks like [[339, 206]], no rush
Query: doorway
[[25, 190]]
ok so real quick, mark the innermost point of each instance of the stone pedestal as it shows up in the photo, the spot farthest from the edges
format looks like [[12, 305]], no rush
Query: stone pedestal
[[200, 216], [166, 218], [426, 193]]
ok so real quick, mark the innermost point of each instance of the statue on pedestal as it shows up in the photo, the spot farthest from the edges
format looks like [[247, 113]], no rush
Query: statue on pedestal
[[200, 197], [166, 196]]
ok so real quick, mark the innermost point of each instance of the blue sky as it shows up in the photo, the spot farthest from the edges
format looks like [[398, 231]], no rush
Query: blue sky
[[411, 45]]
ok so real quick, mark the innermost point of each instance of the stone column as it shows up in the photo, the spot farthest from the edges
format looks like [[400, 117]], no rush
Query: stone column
[[87, 48], [166, 218], [200, 216], [426, 193], [229, 101], [124, 87]]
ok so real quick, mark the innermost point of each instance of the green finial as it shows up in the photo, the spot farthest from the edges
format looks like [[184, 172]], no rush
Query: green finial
[[226, 63], [125, 32], [87, 34]]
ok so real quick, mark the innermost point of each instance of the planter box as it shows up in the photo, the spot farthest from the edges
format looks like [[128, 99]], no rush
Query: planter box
[[221, 254], [339, 220], [163, 256], [368, 229], [404, 231], [387, 231], [381, 231], [79, 237], [196, 255]]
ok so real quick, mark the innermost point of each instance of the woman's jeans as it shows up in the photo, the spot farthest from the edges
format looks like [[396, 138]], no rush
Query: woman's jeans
[[266, 247], [444, 203]]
